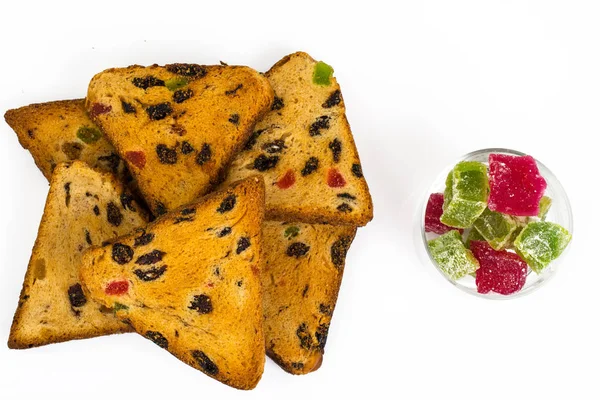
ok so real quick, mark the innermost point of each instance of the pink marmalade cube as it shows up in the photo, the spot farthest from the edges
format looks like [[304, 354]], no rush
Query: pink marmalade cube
[[516, 185], [433, 212], [499, 271]]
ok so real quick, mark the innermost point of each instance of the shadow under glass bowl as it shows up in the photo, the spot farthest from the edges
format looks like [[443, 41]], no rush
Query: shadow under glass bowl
[[560, 213]]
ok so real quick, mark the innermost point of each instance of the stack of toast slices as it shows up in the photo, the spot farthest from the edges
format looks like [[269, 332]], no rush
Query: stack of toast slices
[[207, 208]]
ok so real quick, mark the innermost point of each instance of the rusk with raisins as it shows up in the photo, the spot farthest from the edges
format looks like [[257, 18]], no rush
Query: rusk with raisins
[[177, 127], [84, 207], [305, 150], [61, 131], [302, 267], [190, 282]]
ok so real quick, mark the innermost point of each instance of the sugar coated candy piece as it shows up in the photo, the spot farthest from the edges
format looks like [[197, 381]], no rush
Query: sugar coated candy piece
[[496, 228], [516, 186], [522, 221], [545, 204], [433, 212], [499, 271], [451, 255], [515, 234], [466, 194], [473, 236], [541, 242], [448, 189]]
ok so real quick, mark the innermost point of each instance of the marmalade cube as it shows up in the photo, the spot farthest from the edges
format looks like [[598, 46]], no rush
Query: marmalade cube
[[539, 243], [473, 236], [496, 228], [516, 186], [466, 194], [499, 271], [433, 212], [451, 255], [545, 204]]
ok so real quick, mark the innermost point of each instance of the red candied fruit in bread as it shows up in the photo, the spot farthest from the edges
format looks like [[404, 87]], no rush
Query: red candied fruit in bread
[[137, 158], [433, 212], [501, 272], [99, 108], [287, 180], [335, 179], [516, 185], [117, 288]]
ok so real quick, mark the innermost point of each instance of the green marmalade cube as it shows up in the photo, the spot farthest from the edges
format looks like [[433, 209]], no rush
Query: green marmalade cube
[[473, 236], [466, 194], [545, 204], [451, 255], [496, 228], [539, 243]]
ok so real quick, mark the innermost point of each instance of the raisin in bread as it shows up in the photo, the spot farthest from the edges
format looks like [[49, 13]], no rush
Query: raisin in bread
[[302, 269], [61, 131], [177, 126], [190, 282], [305, 150], [84, 207]]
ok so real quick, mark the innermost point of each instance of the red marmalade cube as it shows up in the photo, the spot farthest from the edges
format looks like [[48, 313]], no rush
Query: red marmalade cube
[[502, 272], [516, 185]]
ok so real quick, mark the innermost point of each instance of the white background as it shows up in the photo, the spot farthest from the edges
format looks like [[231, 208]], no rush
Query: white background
[[424, 82]]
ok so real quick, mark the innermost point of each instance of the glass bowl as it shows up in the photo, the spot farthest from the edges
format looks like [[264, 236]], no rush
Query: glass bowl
[[560, 213]]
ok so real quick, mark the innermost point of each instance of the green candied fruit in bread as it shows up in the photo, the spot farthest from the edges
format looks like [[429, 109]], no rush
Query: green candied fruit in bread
[[467, 191], [451, 255], [473, 236], [291, 232], [176, 83], [88, 135], [119, 307], [545, 204], [539, 243], [322, 74], [496, 228]]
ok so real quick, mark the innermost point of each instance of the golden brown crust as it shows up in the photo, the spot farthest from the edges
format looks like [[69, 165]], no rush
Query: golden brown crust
[[305, 150], [61, 131], [53, 306], [285, 60], [192, 281], [301, 275], [177, 128]]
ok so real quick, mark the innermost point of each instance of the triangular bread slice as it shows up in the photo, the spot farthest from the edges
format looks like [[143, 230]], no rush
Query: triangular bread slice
[[61, 131], [305, 150], [84, 207], [302, 270], [191, 283], [177, 126]]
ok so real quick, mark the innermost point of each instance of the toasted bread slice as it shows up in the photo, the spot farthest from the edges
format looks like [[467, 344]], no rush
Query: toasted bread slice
[[191, 283], [61, 131], [301, 275], [177, 126], [305, 150], [84, 207]]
